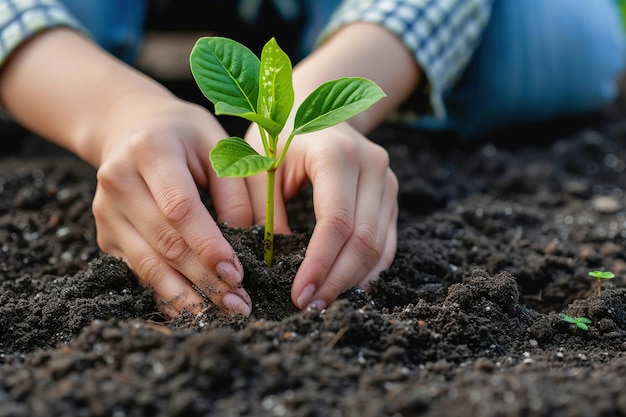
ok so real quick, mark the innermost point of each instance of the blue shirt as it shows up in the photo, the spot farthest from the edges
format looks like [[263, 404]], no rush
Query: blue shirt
[[487, 63]]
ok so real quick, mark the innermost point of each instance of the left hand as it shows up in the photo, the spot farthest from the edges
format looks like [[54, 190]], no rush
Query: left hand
[[356, 209]]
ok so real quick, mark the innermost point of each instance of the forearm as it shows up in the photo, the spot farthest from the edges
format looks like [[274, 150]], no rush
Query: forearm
[[63, 87], [362, 50]]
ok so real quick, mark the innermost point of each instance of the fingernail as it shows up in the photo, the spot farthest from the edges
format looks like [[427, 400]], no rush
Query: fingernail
[[236, 305], [243, 294], [305, 296], [319, 304], [228, 273]]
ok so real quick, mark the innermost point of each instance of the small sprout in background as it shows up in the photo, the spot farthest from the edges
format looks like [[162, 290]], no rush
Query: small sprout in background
[[578, 322], [600, 275]]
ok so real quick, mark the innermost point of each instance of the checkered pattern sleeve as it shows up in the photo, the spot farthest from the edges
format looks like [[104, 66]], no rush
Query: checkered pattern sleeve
[[441, 34], [21, 19]]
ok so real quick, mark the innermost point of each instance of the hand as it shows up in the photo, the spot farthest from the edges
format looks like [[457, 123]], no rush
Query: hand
[[152, 153], [356, 209], [148, 210]]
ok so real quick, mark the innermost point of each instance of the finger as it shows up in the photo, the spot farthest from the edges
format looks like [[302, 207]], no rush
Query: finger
[[172, 158], [172, 291], [375, 218], [388, 229], [388, 256], [167, 246], [334, 196], [235, 210], [231, 201], [181, 228], [170, 243]]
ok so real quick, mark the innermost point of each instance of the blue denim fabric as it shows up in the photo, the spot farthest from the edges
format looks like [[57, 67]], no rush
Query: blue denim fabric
[[318, 13], [539, 59], [116, 25]]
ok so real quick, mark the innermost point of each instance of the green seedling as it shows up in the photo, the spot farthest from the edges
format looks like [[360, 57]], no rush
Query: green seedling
[[240, 84], [600, 275], [578, 322]]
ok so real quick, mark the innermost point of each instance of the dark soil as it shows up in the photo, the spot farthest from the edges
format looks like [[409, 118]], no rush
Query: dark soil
[[495, 240]]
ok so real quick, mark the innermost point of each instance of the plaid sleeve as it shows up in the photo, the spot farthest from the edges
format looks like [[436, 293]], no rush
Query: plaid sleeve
[[441, 34], [21, 19]]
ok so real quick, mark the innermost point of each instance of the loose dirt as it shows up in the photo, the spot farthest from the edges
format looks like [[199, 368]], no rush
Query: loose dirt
[[495, 240]]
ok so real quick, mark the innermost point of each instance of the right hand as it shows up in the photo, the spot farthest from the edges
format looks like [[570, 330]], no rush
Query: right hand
[[148, 210], [152, 151]]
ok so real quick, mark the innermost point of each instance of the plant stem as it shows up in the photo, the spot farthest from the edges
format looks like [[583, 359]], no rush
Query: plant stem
[[599, 285], [268, 237], [266, 146], [284, 152]]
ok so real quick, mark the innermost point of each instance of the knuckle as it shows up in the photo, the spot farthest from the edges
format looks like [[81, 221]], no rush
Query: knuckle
[[98, 208], [104, 235], [103, 242], [380, 156], [141, 143], [171, 245], [392, 181], [148, 145], [205, 249], [175, 204], [343, 148], [348, 145], [109, 175], [147, 268], [365, 243], [343, 224]]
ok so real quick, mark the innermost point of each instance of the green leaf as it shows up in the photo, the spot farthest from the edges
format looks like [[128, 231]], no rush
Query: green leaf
[[275, 86], [584, 320], [334, 102], [567, 318], [582, 326], [222, 108], [602, 274], [226, 71], [234, 157]]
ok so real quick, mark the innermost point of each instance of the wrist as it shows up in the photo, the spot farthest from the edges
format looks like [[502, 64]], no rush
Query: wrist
[[65, 88], [118, 116]]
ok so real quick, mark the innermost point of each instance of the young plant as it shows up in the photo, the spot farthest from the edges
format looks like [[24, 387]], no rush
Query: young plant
[[600, 275], [240, 84], [578, 322]]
